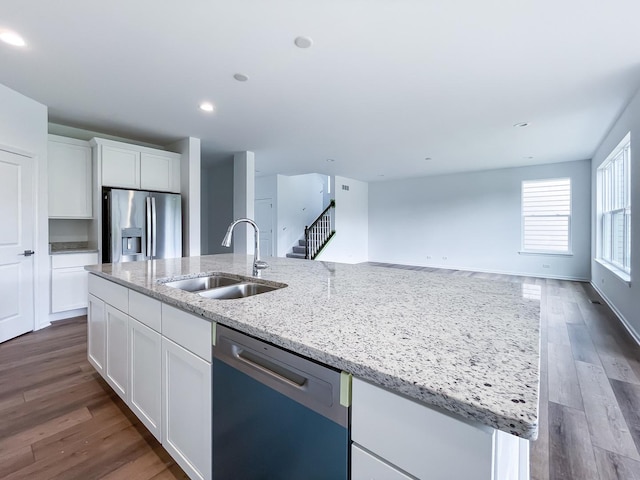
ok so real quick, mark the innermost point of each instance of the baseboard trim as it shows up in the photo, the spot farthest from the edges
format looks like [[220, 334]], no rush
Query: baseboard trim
[[618, 314], [53, 317]]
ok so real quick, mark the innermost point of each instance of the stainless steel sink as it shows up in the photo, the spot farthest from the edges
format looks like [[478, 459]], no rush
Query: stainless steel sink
[[203, 283], [240, 290]]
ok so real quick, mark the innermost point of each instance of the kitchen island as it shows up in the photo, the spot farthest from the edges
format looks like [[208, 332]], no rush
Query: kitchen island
[[465, 347]]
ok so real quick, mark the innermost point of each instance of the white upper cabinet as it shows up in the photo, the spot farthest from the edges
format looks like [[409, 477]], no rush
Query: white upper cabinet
[[131, 166], [69, 178], [120, 167]]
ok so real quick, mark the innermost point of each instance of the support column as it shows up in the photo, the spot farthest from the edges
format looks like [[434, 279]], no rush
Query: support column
[[243, 200]]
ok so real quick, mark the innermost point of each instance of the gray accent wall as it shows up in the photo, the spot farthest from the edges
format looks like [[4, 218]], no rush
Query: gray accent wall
[[623, 297], [217, 206], [472, 221]]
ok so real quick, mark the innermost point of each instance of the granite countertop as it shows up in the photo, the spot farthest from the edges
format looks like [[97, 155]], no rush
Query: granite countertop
[[466, 345], [58, 248]]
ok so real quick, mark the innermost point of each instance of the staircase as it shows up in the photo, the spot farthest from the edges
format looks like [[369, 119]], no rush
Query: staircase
[[299, 251], [316, 236]]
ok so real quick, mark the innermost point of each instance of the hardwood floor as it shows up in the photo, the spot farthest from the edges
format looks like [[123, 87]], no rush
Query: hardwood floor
[[589, 384], [60, 420]]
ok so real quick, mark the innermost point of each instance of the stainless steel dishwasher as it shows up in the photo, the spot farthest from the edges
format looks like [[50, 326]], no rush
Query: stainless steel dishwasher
[[276, 415]]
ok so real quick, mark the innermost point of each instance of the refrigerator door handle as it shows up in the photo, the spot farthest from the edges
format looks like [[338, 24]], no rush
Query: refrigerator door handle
[[154, 227], [148, 209]]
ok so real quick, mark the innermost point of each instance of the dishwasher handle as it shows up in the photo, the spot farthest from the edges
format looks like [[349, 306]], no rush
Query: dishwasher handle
[[277, 371]]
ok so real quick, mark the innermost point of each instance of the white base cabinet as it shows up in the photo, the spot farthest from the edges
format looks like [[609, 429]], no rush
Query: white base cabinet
[[69, 280], [186, 406], [145, 376], [117, 371], [96, 334], [397, 438], [158, 359]]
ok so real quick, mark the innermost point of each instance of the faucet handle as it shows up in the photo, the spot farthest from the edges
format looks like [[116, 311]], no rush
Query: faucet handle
[[261, 265]]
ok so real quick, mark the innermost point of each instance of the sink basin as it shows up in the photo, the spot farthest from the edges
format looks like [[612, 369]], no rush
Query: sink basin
[[240, 290], [202, 283]]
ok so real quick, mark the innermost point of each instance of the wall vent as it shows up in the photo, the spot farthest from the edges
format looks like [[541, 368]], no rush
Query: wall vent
[[345, 187]]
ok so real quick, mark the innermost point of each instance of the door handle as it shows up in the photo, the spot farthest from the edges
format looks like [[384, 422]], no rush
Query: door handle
[[27, 253]]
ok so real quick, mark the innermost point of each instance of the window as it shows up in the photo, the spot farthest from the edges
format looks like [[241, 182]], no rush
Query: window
[[614, 206], [546, 215]]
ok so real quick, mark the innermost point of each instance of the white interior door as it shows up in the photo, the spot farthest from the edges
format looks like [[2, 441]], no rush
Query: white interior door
[[264, 220], [17, 218]]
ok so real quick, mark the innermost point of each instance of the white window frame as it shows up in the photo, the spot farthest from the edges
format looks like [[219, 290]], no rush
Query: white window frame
[[550, 250], [611, 202]]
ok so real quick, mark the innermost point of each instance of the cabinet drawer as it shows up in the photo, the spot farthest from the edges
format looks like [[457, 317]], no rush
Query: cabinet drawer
[[187, 330], [365, 466], [146, 310], [73, 260], [422, 441], [109, 292]]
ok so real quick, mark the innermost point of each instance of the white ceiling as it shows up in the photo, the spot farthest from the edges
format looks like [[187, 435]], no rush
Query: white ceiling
[[386, 83]]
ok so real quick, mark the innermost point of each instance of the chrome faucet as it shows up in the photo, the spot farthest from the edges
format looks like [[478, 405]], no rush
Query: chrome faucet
[[257, 263]]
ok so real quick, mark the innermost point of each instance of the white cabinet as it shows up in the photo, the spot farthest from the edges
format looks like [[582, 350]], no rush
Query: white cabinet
[[160, 172], [395, 437], [69, 280], [124, 165], [120, 167], [69, 174], [187, 410], [158, 359], [145, 376], [96, 334], [117, 368]]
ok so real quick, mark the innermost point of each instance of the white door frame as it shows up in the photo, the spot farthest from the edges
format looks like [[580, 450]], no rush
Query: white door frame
[[34, 239]]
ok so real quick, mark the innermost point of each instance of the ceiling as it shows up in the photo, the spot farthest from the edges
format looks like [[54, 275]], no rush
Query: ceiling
[[385, 84]]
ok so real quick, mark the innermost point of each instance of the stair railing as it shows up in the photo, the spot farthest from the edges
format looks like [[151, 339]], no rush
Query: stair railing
[[318, 234]]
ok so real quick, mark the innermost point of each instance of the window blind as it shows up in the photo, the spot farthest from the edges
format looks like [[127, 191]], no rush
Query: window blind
[[546, 215]]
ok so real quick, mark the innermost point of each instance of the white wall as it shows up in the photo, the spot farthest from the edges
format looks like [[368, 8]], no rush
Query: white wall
[[622, 297], [299, 203], [217, 205], [472, 221], [352, 241], [298, 200], [23, 126]]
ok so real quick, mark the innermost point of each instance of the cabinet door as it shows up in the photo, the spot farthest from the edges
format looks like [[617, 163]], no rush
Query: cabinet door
[[160, 172], [365, 466], [145, 376], [117, 324], [96, 334], [69, 180], [120, 167], [68, 289], [186, 409]]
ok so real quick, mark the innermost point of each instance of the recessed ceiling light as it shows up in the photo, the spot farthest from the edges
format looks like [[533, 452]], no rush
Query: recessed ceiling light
[[303, 42], [330, 160], [380, 175], [428, 158], [12, 38], [528, 157], [206, 107], [521, 124], [241, 77]]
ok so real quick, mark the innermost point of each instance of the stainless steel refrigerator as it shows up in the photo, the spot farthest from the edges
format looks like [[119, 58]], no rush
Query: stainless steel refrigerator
[[140, 225]]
